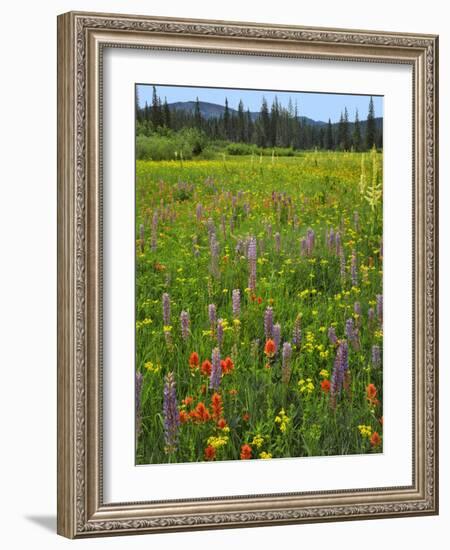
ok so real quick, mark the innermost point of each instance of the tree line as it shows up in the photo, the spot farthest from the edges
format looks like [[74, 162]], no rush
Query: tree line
[[277, 126]]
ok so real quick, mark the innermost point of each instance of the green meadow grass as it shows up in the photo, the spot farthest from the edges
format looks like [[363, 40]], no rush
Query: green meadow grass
[[263, 196]]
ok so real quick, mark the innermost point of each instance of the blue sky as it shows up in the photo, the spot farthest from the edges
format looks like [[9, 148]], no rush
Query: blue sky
[[318, 106]]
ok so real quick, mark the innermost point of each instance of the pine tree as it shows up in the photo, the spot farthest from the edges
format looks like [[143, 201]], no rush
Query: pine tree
[[274, 121], [166, 114], [370, 130], [329, 142], [155, 112], [346, 131], [357, 133], [226, 120], [241, 134], [265, 124]]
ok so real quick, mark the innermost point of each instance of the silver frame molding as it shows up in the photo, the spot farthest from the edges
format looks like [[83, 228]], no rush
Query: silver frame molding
[[81, 39]]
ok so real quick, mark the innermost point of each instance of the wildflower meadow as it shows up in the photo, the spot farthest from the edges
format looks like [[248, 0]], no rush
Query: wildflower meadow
[[259, 306]]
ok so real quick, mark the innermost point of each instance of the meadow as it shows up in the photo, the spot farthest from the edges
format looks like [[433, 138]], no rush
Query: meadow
[[259, 307]]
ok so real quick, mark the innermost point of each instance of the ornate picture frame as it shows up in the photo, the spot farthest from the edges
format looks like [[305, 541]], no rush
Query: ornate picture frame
[[82, 38]]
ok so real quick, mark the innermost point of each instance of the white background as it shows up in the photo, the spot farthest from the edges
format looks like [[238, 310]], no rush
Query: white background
[[123, 482], [28, 274]]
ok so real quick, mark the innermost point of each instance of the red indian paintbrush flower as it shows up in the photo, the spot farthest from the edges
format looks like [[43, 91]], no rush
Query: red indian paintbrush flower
[[201, 413], [194, 360], [325, 385], [371, 392], [216, 406], [270, 348], [375, 440], [184, 417], [222, 423], [246, 452], [210, 453], [206, 368], [227, 365]]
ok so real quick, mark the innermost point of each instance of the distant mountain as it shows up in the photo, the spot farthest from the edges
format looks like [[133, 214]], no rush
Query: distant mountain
[[213, 110]]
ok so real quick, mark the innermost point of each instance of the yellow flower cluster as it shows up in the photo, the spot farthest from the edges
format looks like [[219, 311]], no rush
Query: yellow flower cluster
[[218, 441], [365, 431], [167, 328], [143, 323], [324, 373], [306, 386], [151, 367], [265, 455], [257, 442], [283, 420]]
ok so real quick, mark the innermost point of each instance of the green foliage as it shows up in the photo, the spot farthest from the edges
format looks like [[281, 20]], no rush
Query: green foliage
[[321, 191]]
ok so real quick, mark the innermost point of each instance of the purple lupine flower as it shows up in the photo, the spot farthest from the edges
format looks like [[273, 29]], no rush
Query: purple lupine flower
[[352, 333], [214, 249], [171, 414], [371, 316], [231, 224], [277, 335], [354, 269], [297, 332], [342, 263], [331, 241], [199, 211], [310, 238], [236, 299], [304, 246], [339, 369], [268, 323], [286, 363], [332, 336], [219, 332], [376, 356], [380, 308], [212, 314], [142, 238], [239, 247], [216, 370], [251, 255], [247, 208], [277, 242], [211, 228], [138, 393], [184, 319], [166, 309]]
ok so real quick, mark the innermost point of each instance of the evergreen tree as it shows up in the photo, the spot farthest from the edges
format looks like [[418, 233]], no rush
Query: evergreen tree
[[370, 129], [357, 133], [340, 133], [155, 112], [241, 133], [329, 142], [345, 131], [248, 127], [226, 120], [166, 114], [265, 124], [274, 121]]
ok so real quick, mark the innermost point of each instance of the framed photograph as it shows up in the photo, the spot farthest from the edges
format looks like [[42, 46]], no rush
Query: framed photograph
[[247, 282]]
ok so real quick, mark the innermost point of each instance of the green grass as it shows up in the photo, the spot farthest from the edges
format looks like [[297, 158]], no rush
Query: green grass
[[320, 191]]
